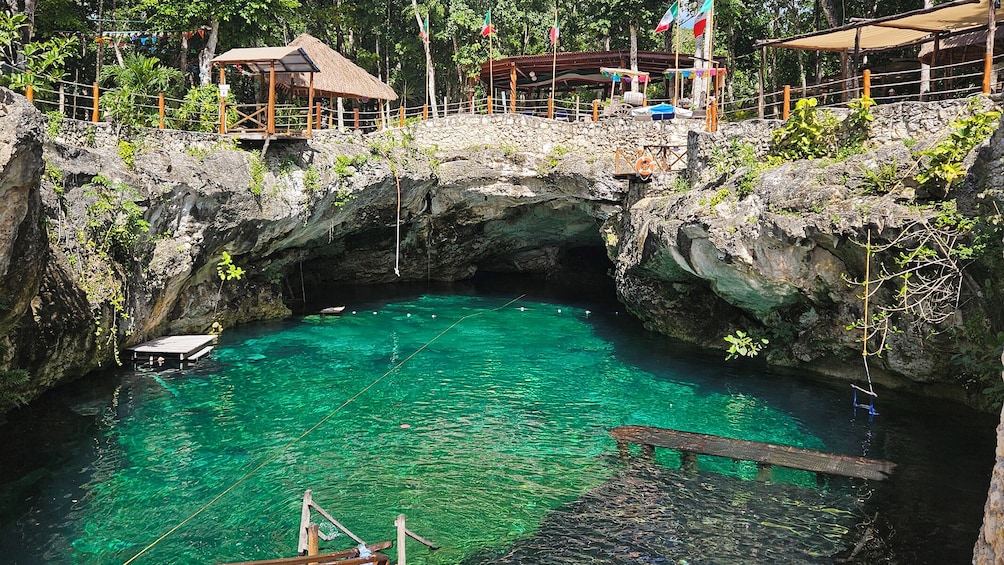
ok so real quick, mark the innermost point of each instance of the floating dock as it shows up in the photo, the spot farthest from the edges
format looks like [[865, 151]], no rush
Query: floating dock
[[764, 454], [177, 348]]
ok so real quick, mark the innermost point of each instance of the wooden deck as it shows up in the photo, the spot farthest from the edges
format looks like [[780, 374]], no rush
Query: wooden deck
[[178, 348], [690, 444]]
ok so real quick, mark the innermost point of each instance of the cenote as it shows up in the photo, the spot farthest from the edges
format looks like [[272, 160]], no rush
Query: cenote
[[483, 418]]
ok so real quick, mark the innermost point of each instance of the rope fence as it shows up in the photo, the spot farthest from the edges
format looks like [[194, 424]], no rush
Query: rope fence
[[84, 102]]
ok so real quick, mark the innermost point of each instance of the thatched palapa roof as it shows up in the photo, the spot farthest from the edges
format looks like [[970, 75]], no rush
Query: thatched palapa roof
[[338, 76]]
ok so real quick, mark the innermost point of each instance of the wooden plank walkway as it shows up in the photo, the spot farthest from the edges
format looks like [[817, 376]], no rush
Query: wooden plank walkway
[[690, 444], [181, 348]]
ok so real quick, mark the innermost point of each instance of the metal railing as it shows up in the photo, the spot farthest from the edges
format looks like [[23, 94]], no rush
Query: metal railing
[[953, 80]]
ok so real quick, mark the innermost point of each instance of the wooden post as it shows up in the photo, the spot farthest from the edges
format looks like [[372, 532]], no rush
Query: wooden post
[[400, 112], [313, 535], [223, 101], [401, 537], [319, 122], [270, 125], [472, 101], [596, 110], [866, 88], [512, 87], [29, 93], [489, 104], [310, 104], [622, 449], [764, 472], [425, 112], [786, 109], [355, 117], [160, 109], [988, 58], [760, 106], [550, 108], [688, 461], [95, 115]]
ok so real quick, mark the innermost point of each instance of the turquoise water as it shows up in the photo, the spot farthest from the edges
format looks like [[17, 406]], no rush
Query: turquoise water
[[473, 416]]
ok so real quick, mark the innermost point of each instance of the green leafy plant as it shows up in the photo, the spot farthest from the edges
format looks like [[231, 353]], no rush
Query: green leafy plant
[[258, 168], [200, 110], [311, 179], [742, 157], [742, 344], [346, 166], [54, 123], [227, 271], [127, 151], [882, 180], [942, 164], [137, 79], [114, 217], [808, 134], [857, 125]]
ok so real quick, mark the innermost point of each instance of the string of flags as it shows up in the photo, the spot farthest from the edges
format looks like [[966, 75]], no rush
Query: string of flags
[[616, 77], [694, 73], [141, 37]]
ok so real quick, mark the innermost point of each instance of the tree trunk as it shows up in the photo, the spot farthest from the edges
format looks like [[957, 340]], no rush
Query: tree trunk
[[830, 12], [430, 69], [184, 59], [634, 56], [207, 54]]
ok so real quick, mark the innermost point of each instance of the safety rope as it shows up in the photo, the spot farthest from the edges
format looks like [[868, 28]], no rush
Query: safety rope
[[397, 250], [284, 448]]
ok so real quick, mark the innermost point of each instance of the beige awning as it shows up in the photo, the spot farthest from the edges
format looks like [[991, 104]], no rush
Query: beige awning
[[895, 31], [260, 59]]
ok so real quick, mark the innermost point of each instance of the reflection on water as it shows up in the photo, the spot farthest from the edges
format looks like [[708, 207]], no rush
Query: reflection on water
[[491, 439]]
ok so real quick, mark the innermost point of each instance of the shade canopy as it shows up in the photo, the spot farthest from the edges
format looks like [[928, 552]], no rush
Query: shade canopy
[[573, 69], [260, 59], [895, 31], [337, 75]]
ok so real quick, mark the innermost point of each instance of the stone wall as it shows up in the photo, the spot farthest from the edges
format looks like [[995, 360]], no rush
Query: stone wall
[[462, 132]]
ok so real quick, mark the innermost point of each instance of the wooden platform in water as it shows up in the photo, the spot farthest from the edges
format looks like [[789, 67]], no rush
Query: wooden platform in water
[[183, 348], [690, 444]]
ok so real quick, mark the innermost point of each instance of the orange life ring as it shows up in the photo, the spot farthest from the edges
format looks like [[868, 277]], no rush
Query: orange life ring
[[644, 166]]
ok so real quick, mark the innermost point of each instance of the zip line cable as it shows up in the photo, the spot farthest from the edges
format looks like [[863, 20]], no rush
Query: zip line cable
[[292, 442]]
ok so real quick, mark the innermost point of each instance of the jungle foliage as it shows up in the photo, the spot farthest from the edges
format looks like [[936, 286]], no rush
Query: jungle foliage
[[55, 39]]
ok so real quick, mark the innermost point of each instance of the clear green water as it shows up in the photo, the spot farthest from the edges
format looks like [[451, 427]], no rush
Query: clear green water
[[475, 428]]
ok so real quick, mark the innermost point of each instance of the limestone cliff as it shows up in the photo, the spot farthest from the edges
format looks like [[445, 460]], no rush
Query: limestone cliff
[[137, 226]]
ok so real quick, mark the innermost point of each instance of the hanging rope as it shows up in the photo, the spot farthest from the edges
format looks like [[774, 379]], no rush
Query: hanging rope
[[321, 422], [397, 249], [864, 337]]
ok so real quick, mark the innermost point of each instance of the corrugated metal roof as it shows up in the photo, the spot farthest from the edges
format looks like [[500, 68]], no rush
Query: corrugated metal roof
[[287, 59]]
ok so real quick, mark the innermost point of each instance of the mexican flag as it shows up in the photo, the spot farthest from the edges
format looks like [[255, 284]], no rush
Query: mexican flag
[[487, 29], [700, 24], [555, 33], [424, 34], [668, 18]]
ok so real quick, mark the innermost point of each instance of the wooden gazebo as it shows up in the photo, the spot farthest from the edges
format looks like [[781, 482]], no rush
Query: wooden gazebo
[[338, 77], [259, 121]]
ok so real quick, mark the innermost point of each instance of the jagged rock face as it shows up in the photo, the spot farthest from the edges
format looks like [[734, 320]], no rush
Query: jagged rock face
[[989, 548], [780, 256], [23, 246]]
